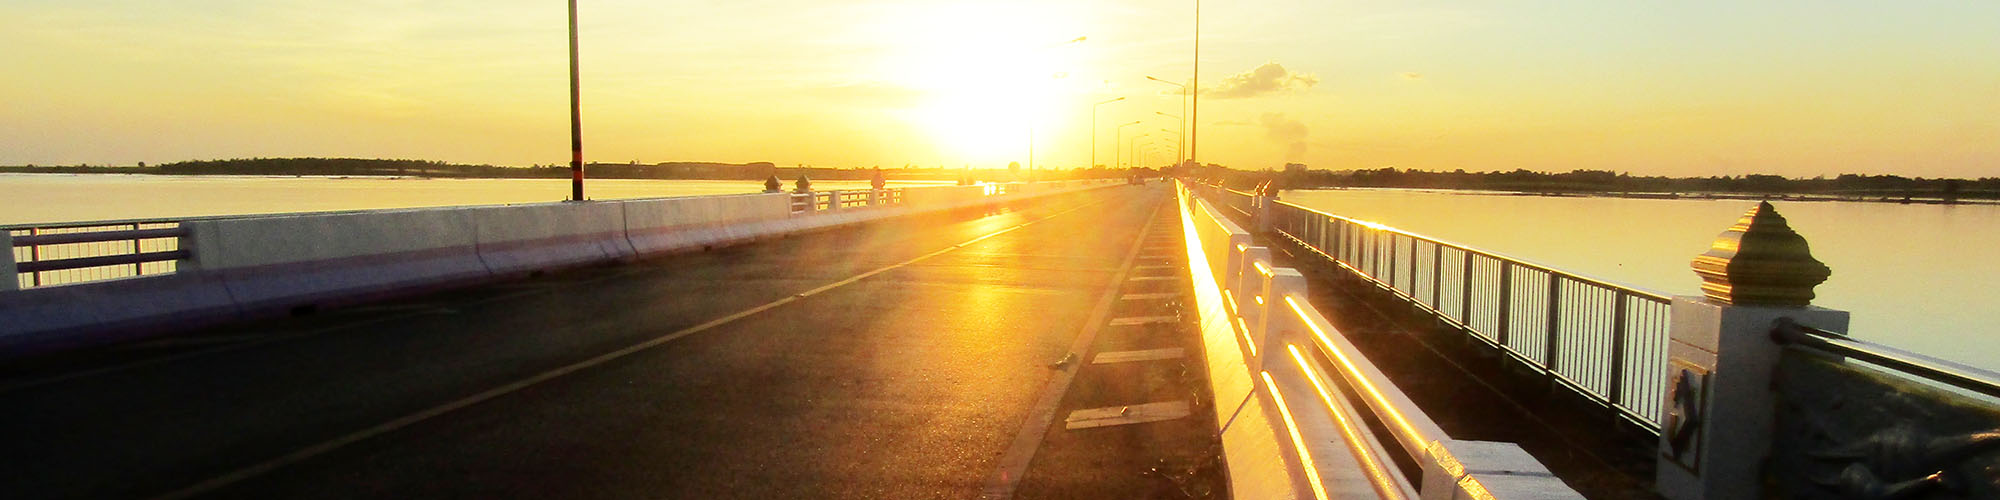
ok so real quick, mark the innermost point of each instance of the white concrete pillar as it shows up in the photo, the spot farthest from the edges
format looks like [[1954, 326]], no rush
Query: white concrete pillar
[[833, 200], [1276, 323], [1249, 282], [1484, 469], [1261, 206], [1715, 436]]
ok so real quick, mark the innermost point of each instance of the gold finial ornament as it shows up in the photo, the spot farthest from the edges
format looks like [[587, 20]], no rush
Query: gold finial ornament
[[1760, 261]]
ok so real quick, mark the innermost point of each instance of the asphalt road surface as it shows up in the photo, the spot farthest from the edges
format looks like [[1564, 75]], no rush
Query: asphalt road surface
[[897, 359]]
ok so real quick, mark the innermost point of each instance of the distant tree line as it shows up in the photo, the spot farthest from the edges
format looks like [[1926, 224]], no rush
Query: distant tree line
[[756, 171], [1295, 176]]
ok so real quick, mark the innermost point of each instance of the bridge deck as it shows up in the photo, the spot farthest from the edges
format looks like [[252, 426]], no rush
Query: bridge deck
[[899, 359]]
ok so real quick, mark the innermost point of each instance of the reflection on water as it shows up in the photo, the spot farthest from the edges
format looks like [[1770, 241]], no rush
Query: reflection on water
[[1914, 276], [32, 198]]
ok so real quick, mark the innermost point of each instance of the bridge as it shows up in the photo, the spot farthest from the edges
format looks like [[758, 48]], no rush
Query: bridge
[[1056, 339]]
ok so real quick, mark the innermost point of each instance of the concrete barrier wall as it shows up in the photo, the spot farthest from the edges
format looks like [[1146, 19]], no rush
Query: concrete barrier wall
[[282, 262], [670, 224], [523, 238], [252, 266]]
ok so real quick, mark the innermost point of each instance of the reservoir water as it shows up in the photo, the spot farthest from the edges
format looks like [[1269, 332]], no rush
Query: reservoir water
[[1919, 277], [36, 198]]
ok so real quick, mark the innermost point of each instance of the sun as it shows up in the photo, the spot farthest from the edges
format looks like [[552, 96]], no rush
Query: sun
[[988, 73]]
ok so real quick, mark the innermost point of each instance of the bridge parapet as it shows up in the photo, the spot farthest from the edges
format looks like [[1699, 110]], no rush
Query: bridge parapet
[[1747, 391], [1297, 398], [79, 284]]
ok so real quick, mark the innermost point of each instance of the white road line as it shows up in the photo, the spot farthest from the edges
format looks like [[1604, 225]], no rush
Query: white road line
[[1144, 320], [1151, 268], [1149, 296], [1173, 277], [1125, 415], [1131, 356], [1014, 462], [309, 452]]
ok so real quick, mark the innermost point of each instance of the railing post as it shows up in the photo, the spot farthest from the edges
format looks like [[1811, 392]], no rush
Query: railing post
[[1465, 289], [1437, 277], [833, 200], [1619, 308], [1715, 436], [1552, 339], [1505, 307], [10, 279]]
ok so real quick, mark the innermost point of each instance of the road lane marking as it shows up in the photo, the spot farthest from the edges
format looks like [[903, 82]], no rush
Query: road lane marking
[[1131, 356], [1154, 278], [1151, 268], [309, 452], [1014, 461], [1126, 415], [1144, 320], [1149, 296]]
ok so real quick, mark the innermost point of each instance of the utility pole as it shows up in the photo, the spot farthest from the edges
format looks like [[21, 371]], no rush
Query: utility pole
[[575, 116]]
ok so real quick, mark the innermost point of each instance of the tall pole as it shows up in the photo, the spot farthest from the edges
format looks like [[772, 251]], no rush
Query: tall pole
[[1118, 142], [1194, 110], [1182, 137], [575, 116], [1093, 129]]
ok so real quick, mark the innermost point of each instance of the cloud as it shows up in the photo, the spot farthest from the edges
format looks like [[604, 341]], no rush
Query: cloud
[[1267, 79], [1410, 75], [1287, 131]]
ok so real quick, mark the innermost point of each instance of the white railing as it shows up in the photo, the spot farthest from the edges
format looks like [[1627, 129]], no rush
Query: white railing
[[1323, 391]]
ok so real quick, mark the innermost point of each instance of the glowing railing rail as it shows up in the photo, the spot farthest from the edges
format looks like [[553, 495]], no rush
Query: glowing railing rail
[[1327, 396]]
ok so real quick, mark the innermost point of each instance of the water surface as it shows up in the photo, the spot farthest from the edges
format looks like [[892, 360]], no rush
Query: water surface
[[1920, 277]]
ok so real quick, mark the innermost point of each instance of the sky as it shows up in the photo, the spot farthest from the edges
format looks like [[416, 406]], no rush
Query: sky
[[1690, 88]]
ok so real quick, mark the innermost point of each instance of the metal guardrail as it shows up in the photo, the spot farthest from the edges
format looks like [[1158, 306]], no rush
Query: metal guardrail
[[61, 254], [1326, 391], [1923, 367], [1603, 340], [819, 201]]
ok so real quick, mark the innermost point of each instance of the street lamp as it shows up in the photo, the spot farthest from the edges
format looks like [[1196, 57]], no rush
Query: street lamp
[[1119, 140], [1180, 138], [575, 116], [1093, 129], [1133, 147], [1184, 109]]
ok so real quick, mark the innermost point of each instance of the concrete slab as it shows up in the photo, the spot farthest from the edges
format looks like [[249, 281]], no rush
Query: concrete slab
[[1126, 415]]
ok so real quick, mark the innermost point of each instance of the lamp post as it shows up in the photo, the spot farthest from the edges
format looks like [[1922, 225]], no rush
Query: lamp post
[[1093, 129], [1194, 94], [1180, 138], [1133, 147], [1184, 110], [1118, 140], [575, 116]]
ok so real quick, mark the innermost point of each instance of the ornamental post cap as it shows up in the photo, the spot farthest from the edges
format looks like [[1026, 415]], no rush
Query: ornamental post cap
[[773, 185], [878, 181], [804, 185], [1760, 261]]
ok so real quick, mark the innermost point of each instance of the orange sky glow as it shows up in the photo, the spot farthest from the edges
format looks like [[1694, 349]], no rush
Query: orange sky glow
[[1684, 89]]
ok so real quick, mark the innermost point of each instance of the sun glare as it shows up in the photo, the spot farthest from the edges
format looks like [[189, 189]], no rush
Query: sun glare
[[987, 73]]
